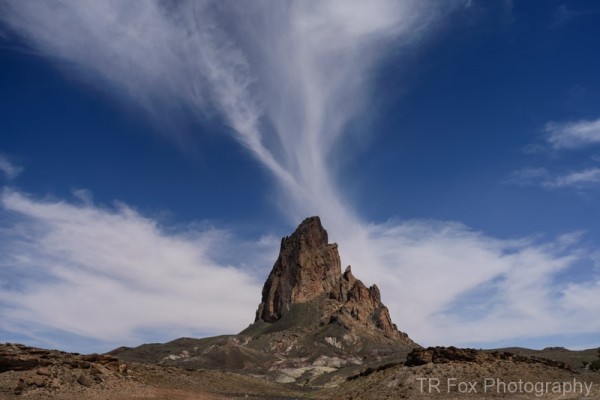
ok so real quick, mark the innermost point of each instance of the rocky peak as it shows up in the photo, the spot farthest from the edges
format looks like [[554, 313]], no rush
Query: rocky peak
[[308, 268], [310, 234]]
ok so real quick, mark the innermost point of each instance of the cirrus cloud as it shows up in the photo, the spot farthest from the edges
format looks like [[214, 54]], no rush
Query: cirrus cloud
[[8, 168], [573, 135], [111, 274], [583, 179]]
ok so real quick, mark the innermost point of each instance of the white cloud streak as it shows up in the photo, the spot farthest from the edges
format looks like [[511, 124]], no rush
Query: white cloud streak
[[573, 135], [530, 176], [287, 77], [110, 274], [561, 137], [9, 169], [583, 179], [578, 179], [446, 284]]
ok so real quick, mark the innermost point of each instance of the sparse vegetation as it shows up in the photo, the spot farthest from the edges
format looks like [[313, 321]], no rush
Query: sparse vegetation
[[595, 365]]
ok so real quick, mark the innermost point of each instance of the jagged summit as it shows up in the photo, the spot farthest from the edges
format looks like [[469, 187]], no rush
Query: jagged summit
[[307, 267], [308, 270], [311, 232]]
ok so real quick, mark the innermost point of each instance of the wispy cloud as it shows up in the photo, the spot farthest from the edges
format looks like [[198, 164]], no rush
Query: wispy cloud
[[445, 283], [573, 135], [564, 14], [578, 179], [9, 169], [286, 76], [113, 274], [559, 139], [586, 178], [530, 176]]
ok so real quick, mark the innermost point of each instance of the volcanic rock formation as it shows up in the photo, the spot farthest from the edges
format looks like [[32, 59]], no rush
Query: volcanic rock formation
[[308, 269]]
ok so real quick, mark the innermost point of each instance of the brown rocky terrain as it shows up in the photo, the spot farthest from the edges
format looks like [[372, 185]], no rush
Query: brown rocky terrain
[[318, 333], [31, 373], [449, 373]]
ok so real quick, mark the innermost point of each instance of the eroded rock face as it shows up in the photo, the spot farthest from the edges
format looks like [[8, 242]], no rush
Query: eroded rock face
[[49, 373], [363, 306], [308, 268]]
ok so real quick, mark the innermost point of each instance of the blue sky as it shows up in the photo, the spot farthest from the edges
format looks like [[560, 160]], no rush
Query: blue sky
[[152, 155]]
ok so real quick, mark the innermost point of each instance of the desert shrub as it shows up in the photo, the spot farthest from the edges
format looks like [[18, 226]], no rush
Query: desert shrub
[[595, 365]]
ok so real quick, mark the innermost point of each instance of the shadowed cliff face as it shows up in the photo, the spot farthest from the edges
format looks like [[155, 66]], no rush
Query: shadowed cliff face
[[308, 268]]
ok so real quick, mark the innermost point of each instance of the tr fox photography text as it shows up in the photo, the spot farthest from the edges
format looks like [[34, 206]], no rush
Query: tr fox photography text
[[497, 385]]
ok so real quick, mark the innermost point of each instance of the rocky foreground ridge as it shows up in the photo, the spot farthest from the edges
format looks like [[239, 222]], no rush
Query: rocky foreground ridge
[[32, 373]]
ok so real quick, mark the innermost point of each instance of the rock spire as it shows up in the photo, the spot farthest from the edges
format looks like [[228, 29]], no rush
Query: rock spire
[[308, 269]]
